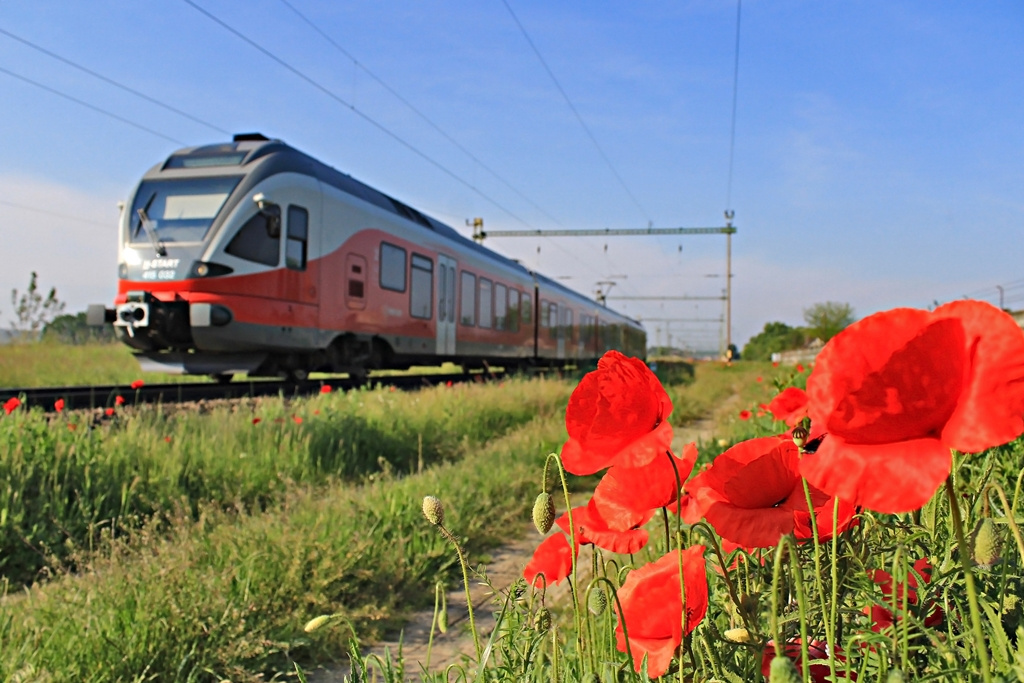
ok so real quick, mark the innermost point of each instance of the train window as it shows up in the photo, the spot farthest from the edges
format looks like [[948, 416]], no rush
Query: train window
[[467, 313], [356, 266], [254, 243], [485, 303], [553, 320], [500, 307], [513, 310], [545, 310], [568, 325], [421, 293], [295, 248], [392, 267], [527, 309]]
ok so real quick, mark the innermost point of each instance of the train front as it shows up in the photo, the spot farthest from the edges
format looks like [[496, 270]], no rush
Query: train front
[[180, 288]]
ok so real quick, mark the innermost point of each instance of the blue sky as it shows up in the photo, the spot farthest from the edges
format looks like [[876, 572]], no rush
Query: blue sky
[[878, 150]]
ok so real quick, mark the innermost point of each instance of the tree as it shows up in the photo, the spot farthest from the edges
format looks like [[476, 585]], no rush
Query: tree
[[826, 320], [73, 329], [33, 311], [774, 337]]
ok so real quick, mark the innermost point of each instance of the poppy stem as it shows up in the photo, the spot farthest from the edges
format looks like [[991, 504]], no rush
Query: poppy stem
[[829, 625], [1009, 514], [972, 595], [465, 582], [787, 544]]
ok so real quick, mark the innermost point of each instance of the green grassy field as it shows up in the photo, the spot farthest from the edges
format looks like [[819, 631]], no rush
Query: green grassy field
[[192, 545]]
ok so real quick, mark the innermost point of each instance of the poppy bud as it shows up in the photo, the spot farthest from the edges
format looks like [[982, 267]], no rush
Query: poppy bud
[[895, 676], [433, 510], [316, 622], [542, 620], [986, 544], [737, 635], [799, 436], [597, 602], [544, 512], [442, 620], [783, 670]]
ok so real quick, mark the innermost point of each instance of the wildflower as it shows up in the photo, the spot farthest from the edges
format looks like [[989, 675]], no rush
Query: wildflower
[[316, 622], [652, 604], [137, 384], [433, 510], [759, 379], [297, 419], [618, 414], [800, 368], [325, 389], [775, 363], [593, 528], [898, 390], [627, 492], [72, 426], [11, 405], [882, 616], [167, 439], [552, 560], [752, 492], [316, 412], [745, 414], [257, 420], [109, 412], [119, 400], [791, 660], [790, 406], [544, 512], [448, 383], [58, 405]]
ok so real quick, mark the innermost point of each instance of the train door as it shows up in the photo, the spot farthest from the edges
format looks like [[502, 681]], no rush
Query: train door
[[445, 305], [300, 235]]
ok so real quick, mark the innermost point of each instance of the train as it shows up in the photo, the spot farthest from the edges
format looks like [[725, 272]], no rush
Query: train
[[253, 257]]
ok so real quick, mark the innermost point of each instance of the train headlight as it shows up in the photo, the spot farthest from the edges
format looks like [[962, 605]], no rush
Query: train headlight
[[206, 269]]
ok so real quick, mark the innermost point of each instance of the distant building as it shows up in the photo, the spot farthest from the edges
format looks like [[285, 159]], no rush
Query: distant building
[[805, 355]]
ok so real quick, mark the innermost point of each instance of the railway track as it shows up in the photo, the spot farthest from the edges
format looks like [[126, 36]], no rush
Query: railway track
[[83, 398]]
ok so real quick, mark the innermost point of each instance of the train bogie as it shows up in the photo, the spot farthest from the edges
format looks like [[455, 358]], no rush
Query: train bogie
[[253, 257]]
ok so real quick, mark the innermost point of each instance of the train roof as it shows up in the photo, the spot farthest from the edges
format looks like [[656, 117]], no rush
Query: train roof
[[275, 157]]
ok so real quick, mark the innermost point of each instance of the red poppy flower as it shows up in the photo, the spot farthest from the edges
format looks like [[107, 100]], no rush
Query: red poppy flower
[[552, 559], [790, 406], [72, 426], [618, 415], [297, 419], [816, 649], [119, 400], [325, 389], [11, 405], [760, 413], [109, 412], [883, 617], [448, 383], [167, 439], [257, 420], [652, 606], [759, 379], [58, 405], [799, 368], [745, 414], [316, 412], [897, 390], [592, 528], [137, 384], [823, 518], [628, 492], [752, 492]]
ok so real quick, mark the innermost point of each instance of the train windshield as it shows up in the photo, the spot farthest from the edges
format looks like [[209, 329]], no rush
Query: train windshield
[[178, 210]]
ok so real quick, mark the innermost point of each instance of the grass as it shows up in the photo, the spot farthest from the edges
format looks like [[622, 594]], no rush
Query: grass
[[200, 558], [48, 364]]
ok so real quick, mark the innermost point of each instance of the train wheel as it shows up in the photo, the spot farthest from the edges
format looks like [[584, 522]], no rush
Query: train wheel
[[222, 378]]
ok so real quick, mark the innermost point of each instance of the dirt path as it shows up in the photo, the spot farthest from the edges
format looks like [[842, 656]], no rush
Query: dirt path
[[505, 566]]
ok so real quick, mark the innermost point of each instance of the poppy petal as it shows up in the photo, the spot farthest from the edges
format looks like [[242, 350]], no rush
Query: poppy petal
[[553, 558], [889, 478], [991, 408]]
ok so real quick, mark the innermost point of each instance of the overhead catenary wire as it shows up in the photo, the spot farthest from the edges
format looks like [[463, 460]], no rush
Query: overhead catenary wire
[[576, 113], [112, 82], [91, 106], [462, 148], [78, 219], [337, 98]]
